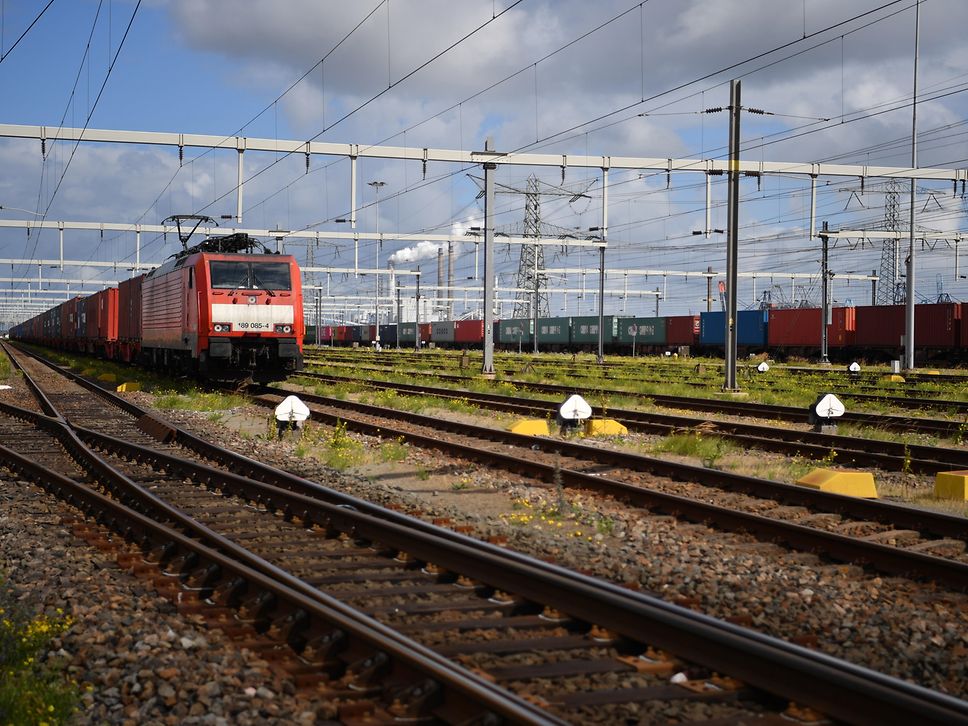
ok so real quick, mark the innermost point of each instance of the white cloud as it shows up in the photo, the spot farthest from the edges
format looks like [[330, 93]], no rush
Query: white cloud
[[263, 46]]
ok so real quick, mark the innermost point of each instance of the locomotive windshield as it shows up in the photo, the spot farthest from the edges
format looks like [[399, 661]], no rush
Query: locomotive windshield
[[250, 275]]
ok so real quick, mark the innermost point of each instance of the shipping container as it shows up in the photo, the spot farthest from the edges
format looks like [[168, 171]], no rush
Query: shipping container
[[751, 328], [469, 331], [963, 326], [366, 333], [107, 317], [515, 332], [388, 334], [90, 321], [425, 329], [408, 333], [442, 331], [642, 331], [682, 330], [554, 331], [129, 308], [936, 325], [77, 322], [354, 333], [879, 326], [800, 328], [101, 319], [584, 329]]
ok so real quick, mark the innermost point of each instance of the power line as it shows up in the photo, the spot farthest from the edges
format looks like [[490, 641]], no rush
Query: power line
[[3, 57], [87, 121]]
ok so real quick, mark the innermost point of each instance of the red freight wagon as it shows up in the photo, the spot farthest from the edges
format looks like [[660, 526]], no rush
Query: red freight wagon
[[78, 324], [879, 326], [963, 326], [101, 312], [844, 327], [425, 329], [72, 322], [129, 318], [935, 326], [800, 328], [469, 331], [67, 326], [682, 330], [90, 322]]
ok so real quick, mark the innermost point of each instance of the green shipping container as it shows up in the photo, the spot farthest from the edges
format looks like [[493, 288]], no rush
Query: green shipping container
[[642, 331], [552, 331], [408, 333], [585, 329], [510, 332]]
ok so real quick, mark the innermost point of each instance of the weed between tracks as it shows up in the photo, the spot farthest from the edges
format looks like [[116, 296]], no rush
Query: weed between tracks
[[334, 447], [195, 400], [708, 449], [568, 517], [33, 690]]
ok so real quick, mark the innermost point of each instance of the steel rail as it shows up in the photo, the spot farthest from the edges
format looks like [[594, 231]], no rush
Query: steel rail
[[937, 524], [941, 427], [620, 373], [887, 559], [226, 567], [633, 615], [216, 550], [943, 525], [849, 449], [624, 365], [840, 689]]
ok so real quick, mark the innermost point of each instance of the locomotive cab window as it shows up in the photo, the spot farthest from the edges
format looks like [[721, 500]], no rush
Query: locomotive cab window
[[250, 275]]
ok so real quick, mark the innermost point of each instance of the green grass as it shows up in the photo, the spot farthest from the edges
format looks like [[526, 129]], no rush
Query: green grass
[[32, 690], [195, 400], [675, 377], [417, 404], [394, 451], [708, 449]]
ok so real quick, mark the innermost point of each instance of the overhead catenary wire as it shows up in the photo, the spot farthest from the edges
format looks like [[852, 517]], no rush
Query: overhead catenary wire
[[5, 54], [87, 121]]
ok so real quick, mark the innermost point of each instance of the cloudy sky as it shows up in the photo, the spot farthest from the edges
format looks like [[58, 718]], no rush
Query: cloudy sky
[[613, 78]]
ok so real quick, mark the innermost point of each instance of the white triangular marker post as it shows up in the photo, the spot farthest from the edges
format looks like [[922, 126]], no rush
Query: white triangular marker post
[[830, 407], [575, 408], [292, 410]]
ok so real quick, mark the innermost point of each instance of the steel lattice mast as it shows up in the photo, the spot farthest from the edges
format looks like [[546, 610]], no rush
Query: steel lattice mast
[[890, 289], [531, 268]]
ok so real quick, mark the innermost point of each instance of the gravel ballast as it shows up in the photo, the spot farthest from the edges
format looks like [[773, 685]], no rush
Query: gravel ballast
[[144, 663]]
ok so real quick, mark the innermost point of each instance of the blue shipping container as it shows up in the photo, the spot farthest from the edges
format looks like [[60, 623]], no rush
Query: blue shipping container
[[751, 329], [388, 334]]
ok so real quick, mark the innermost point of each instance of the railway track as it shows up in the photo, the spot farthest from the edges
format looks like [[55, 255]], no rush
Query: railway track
[[889, 455], [412, 582], [801, 518], [917, 399], [928, 426]]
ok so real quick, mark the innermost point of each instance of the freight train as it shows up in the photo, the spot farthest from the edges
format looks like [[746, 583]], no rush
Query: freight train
[[871, 332], [215, 309]]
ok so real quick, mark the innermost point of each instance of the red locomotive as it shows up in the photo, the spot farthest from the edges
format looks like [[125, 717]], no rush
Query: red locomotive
[[216, 310]]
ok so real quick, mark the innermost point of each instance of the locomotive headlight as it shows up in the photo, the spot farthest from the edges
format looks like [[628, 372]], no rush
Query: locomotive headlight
[[283, 328], [222, 327]]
